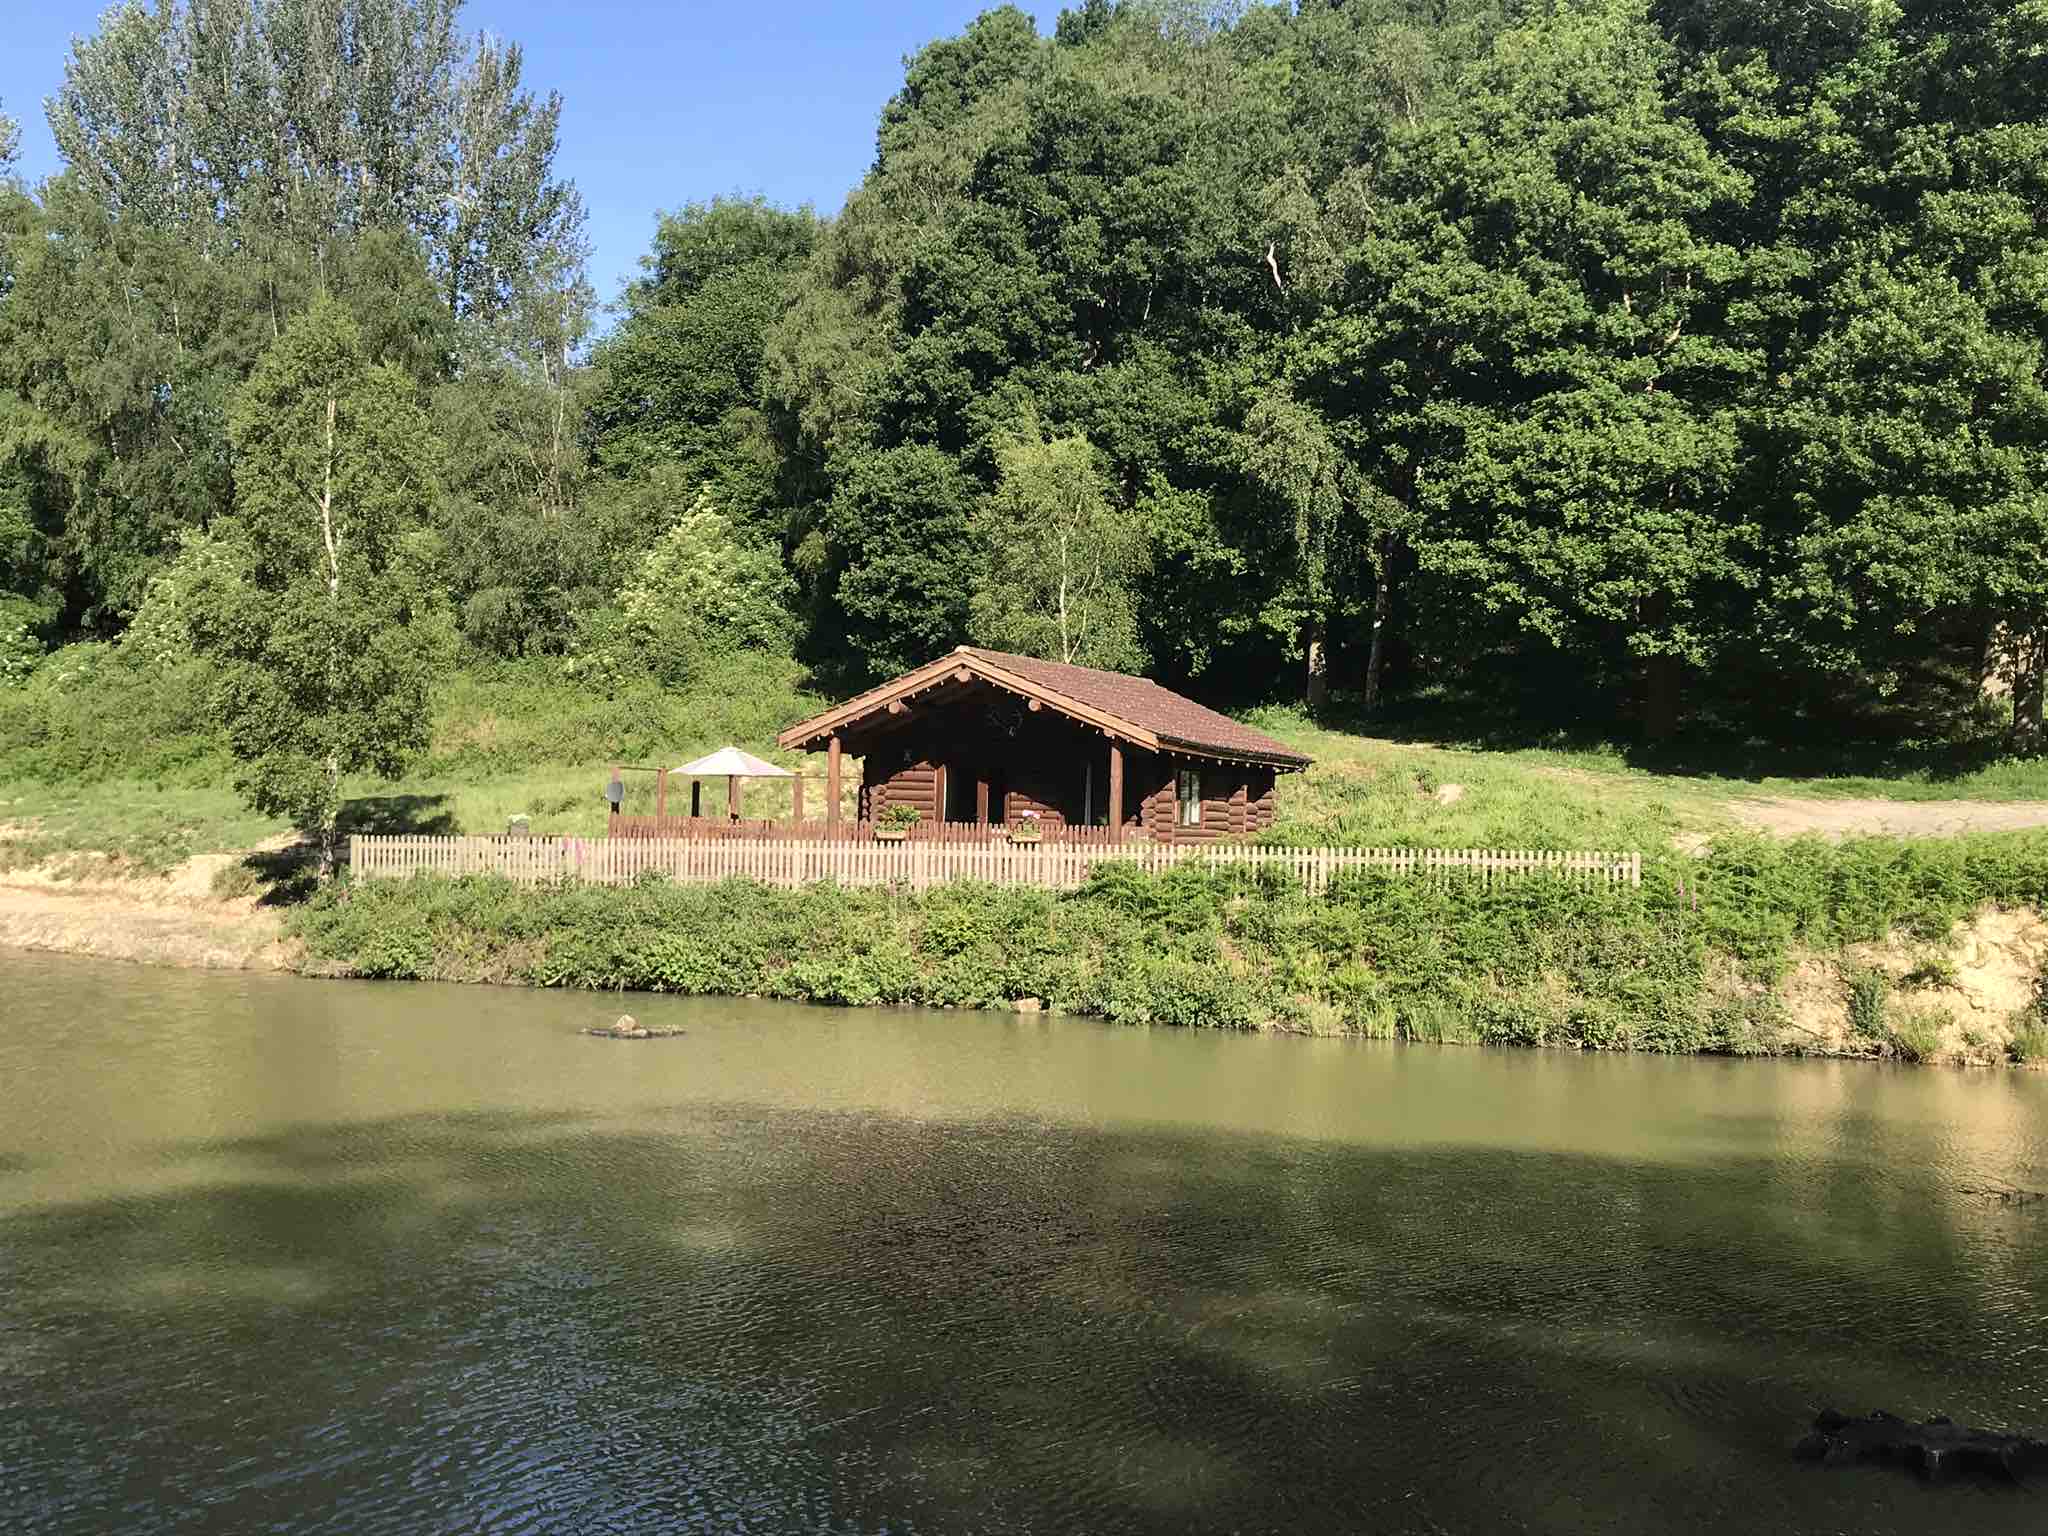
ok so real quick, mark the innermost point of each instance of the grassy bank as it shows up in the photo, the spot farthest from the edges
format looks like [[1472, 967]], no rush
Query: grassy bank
[[1714, 955], [103, 752]]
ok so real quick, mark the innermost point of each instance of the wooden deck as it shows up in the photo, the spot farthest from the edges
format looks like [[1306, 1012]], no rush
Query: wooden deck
[[719, 829], [920, 864]]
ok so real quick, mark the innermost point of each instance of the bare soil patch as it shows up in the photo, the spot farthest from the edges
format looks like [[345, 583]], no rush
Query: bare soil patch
[[85, 906], [1993, 962], [1787, 816]]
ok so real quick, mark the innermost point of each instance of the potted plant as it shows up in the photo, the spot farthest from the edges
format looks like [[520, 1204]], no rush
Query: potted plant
[[894, 824], [1026, 829]]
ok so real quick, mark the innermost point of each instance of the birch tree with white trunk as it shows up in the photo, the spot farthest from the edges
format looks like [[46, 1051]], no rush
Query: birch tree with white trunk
[[331, 631], [1061, 560]]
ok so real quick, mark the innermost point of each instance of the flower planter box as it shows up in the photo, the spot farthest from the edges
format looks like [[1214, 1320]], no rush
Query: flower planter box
[[885, 834], [1027, 835]]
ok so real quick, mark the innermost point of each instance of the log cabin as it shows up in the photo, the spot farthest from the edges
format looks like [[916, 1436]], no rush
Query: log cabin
[[991, 739]]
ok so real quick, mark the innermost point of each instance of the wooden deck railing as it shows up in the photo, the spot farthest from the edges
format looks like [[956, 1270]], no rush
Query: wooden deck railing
[[921, 865], [718, 829]]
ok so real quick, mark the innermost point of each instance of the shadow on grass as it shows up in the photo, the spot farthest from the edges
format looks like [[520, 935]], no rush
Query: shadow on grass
[[398, 816], [1937, 745], [284, 877]]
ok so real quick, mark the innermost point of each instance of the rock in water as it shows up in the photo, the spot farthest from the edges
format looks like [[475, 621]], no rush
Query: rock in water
[[626, 1025], [1938, 1447]]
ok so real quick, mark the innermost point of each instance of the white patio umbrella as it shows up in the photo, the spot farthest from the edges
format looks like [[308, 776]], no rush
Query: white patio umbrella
[[733, 765]]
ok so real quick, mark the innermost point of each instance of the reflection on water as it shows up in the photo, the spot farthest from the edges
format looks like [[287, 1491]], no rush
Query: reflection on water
[[293, 1256]]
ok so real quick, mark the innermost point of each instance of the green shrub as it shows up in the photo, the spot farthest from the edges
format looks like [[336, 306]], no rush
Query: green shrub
[[1869, 1002], [400, 951], [20, 651], [1933, 970], [1916, 1032], [91, 712], [2029, 1043], [1537, 962], [1599, 1024], [1509, 1020], [1436, 1018]]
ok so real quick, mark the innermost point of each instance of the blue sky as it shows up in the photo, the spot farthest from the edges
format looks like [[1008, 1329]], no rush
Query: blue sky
[[663, 102]]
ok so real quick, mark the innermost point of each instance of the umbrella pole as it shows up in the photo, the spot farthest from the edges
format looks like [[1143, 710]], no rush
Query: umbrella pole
[[732, 797], [661, 795], [696, 799]]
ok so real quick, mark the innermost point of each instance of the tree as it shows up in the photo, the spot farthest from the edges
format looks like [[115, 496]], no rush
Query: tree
[[1900, 156], [122, 345], [330, 632], [509, 235], [1292, 459], [703, 591], [285, 123], [1586, 491], [225, 161], [1059, 561], [680, 379], [904, 548]]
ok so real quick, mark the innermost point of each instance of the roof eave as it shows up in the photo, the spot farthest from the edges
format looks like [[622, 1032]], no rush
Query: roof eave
[[799, 736], [1291, 762]]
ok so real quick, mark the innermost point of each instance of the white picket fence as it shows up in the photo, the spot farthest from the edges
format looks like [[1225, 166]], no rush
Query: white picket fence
[[919, 866]]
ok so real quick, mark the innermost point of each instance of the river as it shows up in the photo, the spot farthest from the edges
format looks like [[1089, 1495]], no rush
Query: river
[[280, 1255]]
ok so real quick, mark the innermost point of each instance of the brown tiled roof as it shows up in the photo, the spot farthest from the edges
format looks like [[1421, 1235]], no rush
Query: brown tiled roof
[[1177, 721], [1133, 706]]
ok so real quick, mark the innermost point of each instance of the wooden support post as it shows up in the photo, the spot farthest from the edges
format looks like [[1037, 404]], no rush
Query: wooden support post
[[832, 780], [696, 798], [981, 799], [1116, 792], [660, 793], [732, 797], [796, 801]]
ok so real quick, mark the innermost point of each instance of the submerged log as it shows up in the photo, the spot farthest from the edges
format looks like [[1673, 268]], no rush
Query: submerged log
[[1938, 1448], [629, 1028], [2004, 1194]]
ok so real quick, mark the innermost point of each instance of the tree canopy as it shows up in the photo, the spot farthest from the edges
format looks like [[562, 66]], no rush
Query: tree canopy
[[1681, 362]]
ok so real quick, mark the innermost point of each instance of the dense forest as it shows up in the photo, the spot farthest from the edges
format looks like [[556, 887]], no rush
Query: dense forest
[[1675, 364]]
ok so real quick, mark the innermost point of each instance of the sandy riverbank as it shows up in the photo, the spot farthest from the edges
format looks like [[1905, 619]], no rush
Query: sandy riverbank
[[173, 919]]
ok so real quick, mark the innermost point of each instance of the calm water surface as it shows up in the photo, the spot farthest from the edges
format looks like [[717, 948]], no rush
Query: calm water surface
[[290, 1256]]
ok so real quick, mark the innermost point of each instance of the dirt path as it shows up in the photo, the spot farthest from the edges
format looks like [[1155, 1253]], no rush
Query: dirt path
[[1790, 817], [172, 920]]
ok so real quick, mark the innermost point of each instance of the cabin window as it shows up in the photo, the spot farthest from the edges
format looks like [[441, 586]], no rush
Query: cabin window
[[1190, 797]]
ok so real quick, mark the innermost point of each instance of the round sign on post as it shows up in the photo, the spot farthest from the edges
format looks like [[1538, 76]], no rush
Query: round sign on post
[[616, 793]]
